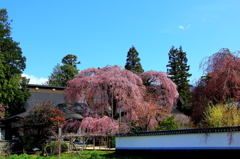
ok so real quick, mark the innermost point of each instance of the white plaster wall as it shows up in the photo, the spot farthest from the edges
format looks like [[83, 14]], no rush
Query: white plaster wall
[[2, 134], [179, 141]]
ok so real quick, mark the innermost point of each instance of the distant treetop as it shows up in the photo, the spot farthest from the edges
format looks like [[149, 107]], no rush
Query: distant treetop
[[64, 73], [133, 61]]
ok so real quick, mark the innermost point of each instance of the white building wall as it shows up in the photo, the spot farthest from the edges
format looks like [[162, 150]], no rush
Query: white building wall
[[3, 134], [219, 140]]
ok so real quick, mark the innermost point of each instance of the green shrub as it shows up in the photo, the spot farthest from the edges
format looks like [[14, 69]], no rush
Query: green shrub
[[26, 156], [112, 139], [52, 148], [13, 156], [22, 156], [28, 141], [94, 155], [168, 123]]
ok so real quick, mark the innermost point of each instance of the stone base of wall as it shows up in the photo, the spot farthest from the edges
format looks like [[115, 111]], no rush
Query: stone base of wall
[[7, 147], [180, 153]]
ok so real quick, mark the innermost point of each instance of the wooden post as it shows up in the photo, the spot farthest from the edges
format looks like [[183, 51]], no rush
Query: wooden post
[[99, 142], [83, 143], [71, 145], [112, 106], [59, 138], [107, 145], [119, 123], [93, 143]]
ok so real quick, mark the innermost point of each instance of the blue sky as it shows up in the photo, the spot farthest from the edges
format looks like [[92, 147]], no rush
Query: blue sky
[[100, 32]]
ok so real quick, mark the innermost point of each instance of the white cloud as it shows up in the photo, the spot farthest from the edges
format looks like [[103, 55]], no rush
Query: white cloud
[[181, 27], [184, 28], [35, 80]]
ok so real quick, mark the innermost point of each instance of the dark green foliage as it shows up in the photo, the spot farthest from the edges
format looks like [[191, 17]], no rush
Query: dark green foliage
[[28, 141], [86, 155], [178, 71], [61, 74], [22, 156], [112, 141], [53, 147], [64, 73], [168, 124], [94, 155], [133, 61], [71, 60], [13, 87]]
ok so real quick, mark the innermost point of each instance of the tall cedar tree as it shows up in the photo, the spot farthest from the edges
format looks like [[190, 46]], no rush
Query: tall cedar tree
[[13, 87], [64, 73], [178, 71], [133, 61]]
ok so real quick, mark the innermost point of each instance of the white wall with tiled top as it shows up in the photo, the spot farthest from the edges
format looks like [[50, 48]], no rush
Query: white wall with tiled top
[[216, 140]]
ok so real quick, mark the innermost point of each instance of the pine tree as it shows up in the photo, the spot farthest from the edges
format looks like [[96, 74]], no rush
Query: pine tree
[[64, 73], [13, 87], [178, 71], [133, 61], [71, 60]]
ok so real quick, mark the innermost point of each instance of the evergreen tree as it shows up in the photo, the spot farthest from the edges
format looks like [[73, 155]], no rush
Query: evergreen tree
[[71, 60], [178, 71], [13, 87], [64, 73], [133, 61]]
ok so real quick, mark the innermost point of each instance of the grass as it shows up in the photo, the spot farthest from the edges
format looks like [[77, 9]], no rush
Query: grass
[[84, 155]]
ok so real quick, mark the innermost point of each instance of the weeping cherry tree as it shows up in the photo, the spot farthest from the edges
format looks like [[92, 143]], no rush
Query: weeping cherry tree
[[121, 95]]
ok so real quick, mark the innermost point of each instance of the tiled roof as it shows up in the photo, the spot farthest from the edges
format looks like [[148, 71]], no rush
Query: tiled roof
[[181, 131], [75, 111]]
